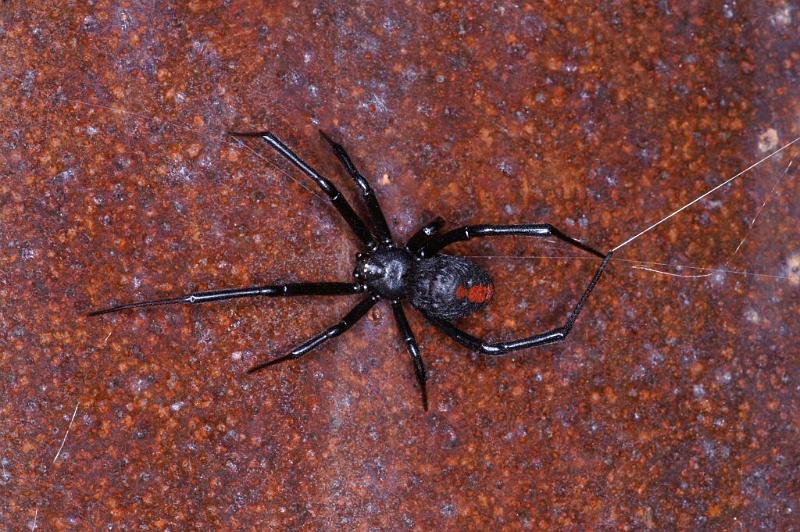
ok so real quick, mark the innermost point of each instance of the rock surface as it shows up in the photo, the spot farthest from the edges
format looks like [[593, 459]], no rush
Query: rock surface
[[674, 404]]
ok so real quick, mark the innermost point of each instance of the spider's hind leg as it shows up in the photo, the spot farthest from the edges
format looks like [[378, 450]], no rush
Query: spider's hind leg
[[498, 348], [421, 237], [468, 232]]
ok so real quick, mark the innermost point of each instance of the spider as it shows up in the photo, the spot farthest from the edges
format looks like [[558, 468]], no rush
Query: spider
[[444, 288]]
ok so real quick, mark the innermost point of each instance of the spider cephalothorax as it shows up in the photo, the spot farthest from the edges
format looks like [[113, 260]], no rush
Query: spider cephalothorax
[[442, 287], [386, 272]]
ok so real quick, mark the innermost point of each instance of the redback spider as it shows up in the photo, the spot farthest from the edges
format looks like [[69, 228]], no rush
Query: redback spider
[[444, 288]]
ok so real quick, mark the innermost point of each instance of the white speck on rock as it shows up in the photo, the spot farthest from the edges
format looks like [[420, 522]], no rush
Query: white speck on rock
[[768, 140], [782, 17], [752, 316], [727, 11], [792, 268], [699, 391]]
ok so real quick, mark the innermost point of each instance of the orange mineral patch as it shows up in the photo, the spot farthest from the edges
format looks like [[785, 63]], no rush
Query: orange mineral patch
[[480, 293]]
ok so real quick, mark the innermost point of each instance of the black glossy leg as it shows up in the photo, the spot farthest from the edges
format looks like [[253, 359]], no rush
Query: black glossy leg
[[436, 243], [499, 348], [344, 208], [422, 236], [348, 321], [375, 213], [278, 290], [413, 350]]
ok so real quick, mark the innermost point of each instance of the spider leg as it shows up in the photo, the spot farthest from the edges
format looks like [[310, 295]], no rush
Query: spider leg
[[422, 236], [348, 321], [336, 197], [278, 290], [413, 350], [467, 232], [375, 213], [498, 348]]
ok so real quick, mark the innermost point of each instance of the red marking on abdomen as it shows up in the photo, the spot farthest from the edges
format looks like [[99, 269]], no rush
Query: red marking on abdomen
[[480, 293]]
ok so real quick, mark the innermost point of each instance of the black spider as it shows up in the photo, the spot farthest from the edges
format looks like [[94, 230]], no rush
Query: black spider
[[442, 287]]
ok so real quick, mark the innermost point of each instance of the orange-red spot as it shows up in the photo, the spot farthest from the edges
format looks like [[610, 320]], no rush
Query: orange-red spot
[[480, 293]]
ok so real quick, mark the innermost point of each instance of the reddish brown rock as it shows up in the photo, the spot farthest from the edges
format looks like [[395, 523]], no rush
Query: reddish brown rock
[[674, 404]]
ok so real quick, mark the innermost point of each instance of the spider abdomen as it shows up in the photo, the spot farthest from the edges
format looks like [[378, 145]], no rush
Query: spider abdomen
[[450, 287]]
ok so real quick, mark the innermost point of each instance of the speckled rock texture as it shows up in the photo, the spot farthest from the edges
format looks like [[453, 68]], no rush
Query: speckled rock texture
[[675, 403]]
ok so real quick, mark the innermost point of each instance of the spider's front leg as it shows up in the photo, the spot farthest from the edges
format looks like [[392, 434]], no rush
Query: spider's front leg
[[336, 197], [375, 213], [274, 290]]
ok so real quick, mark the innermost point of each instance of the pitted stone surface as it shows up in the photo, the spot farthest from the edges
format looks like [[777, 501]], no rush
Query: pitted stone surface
[[674, 404]]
